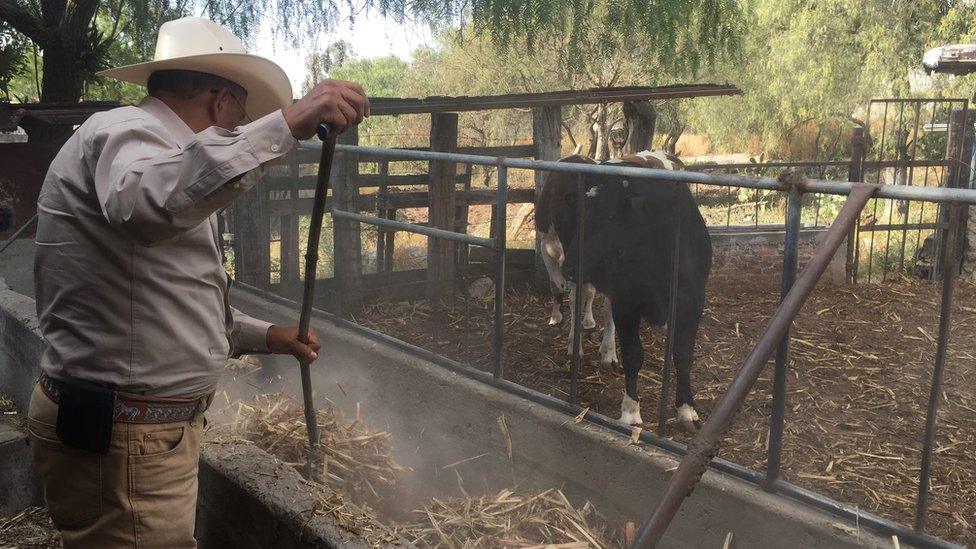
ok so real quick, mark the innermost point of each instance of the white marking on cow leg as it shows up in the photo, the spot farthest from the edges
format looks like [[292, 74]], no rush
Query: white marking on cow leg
[[588, 320], [630, 411], [555, 315], [552, 257], [608, 347], [687, 416]]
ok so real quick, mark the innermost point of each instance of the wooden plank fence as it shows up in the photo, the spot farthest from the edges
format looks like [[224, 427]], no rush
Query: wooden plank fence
[[286, 194]]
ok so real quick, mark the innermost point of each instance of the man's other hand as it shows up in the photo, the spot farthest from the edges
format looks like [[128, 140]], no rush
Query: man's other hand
[[284, 341], [338, 103]]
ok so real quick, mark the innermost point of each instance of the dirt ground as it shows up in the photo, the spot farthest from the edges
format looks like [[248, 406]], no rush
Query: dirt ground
[[860, 374], [29, 529]]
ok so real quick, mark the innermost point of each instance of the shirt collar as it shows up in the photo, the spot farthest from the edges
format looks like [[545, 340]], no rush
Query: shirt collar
[[175, 125]]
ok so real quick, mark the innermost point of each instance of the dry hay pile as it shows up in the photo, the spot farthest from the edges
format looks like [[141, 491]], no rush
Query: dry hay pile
[[242, 365], [355, 458], [29, 529], [509, 520], [360, 470], [7, 405]]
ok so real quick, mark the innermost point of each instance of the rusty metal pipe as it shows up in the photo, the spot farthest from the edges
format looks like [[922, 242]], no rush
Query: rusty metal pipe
[[949, 268], [702, 448], [308, 295], [667, 371], [577, 316], [791, 244]]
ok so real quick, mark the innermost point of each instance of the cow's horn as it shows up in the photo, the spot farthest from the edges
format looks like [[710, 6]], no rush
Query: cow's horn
[[578, 149]]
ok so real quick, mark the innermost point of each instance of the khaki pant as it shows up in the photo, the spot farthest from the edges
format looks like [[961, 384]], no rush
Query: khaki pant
[[142, 493]]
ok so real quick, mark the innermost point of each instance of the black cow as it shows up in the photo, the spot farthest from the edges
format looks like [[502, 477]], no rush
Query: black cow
[[627, 256]]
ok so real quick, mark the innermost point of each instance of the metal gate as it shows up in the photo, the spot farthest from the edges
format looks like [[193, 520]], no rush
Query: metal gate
[[910, 142]]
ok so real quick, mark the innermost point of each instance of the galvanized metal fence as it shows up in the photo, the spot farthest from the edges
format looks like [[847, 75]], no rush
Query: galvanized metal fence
[[912, 142], [776, 338]]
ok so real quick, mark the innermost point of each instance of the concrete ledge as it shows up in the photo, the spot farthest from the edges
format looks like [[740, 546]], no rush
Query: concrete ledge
[[250, 499], [19, 483], [21, 345]]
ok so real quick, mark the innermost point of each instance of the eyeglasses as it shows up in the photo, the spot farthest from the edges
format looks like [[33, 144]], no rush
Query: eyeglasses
[[240, 105]]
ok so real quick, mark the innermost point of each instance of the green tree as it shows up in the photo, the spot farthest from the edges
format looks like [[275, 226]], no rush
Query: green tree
[[320, 64], [13, 61], [380, 77], [814, 64], [77, 37]]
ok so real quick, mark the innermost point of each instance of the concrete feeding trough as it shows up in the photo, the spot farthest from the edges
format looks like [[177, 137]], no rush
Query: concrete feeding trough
[[438, 417]]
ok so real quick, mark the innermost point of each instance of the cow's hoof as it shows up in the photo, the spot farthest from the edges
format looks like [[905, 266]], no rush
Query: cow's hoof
[[630, 411], [631, 418], [688, 420], [589, 324], [556, 319]]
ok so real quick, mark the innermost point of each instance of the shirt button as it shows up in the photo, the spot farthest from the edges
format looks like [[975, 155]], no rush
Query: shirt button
[[275, 148]]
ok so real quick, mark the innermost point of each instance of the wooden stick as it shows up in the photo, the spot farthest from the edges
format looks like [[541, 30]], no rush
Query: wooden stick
[[308, 296]]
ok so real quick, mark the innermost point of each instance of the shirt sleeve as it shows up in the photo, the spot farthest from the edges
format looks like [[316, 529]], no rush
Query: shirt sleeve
[[249, 334], [154, 192]]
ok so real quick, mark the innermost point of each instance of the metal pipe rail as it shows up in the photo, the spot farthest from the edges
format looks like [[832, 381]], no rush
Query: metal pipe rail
[[897, 192], [417, 229], [700, 453]]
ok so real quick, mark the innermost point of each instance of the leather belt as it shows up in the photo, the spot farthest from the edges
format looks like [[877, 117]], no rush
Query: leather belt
[[129, 409]]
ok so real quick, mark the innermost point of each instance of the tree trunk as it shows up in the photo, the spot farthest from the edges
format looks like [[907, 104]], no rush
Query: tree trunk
[[72, 47], [641, 117], [62, 82], [602, 146]]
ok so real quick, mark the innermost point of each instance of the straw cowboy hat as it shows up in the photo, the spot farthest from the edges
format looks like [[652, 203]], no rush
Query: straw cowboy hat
[[198, 44]]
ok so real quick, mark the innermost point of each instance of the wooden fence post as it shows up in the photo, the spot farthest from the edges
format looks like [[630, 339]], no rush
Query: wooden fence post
[[640, 119], [347, 239], [855, 172], [547, 137], [252, 238], [959, 151], [461, 221], [383, 169], [442, 181], [289, 232]]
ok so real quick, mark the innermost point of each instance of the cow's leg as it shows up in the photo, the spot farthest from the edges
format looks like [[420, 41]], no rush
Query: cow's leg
[[551, 251], [633, 356], [556, 311], [608, 347], [685, 332], [589, 293]]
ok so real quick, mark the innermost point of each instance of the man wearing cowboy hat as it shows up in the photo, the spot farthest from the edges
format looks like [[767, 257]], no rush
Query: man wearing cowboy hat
[[131, 294]]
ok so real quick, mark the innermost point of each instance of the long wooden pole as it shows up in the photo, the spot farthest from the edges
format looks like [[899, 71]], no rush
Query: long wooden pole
[[308, 296]]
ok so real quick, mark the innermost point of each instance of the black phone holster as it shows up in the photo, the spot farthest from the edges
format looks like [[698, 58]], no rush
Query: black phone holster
[[85, 415]]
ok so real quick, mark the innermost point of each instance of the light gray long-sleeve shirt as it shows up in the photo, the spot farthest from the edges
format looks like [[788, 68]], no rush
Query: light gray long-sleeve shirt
[[129, 282]]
